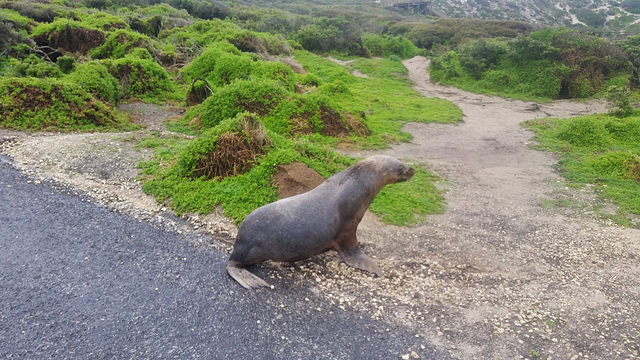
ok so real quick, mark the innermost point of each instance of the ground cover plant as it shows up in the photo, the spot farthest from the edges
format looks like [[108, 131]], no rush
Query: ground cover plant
[[601, 150]]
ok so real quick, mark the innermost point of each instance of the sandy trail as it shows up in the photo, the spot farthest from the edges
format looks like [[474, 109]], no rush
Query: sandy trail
[[499, 275]]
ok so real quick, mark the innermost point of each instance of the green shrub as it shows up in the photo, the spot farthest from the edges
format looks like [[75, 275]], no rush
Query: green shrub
[[445, 67], [143, 78], [205, 64], [334, 88], [620, 98], [277, 71], [625, 130], [478, 56], [66, 63], [32, 66], [95, 78], [120, 43], [309, 79], [527, 48], [229, 68], [386, 46], [257, 96], [585, 84]]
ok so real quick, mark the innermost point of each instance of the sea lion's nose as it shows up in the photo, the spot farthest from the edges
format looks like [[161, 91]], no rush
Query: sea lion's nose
[[409, 172]]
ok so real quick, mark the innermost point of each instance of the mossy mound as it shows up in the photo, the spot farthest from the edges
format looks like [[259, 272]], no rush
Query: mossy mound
[[256, 96], [229, 150], [313, 114], [53, 105], [142, 77], [121, 43], [94, 78], [70, 38]]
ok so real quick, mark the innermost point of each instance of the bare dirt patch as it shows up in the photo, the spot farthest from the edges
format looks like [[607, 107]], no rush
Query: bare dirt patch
[[499, 275], [295, 178]]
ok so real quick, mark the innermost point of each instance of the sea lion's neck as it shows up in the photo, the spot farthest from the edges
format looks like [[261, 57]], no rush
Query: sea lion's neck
[[356, 195]]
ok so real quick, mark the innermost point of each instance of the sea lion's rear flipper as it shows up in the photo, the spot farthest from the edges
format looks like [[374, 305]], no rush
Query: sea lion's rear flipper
[[356, 258], [245, 278]]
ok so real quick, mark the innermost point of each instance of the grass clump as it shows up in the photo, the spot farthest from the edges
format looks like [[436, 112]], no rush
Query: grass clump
[[601, 150], [257, 96]]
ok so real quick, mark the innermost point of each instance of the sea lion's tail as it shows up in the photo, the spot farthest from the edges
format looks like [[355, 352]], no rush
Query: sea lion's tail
[[244, 277]]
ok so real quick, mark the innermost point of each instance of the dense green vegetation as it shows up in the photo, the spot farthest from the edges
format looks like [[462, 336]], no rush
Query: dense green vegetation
[[258, 95], [601, 150], [547, 64], [70, 65]]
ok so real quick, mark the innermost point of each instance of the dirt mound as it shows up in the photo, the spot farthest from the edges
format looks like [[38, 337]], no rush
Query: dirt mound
[[295, 178], [78, 40]]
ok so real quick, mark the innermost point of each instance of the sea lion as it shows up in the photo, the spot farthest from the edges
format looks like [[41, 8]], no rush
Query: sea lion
[[324, 218]]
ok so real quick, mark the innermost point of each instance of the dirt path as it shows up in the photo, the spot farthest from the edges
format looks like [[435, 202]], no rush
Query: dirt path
[[497, 276], [512, 278]]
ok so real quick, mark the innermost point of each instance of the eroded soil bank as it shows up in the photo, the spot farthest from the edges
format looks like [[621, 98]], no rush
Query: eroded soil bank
[[498, 275]]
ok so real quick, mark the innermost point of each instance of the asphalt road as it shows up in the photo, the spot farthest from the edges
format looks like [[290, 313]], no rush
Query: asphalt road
[[79, 281]]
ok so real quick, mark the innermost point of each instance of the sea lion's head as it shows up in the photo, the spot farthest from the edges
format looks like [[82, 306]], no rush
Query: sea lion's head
[[391, 169]]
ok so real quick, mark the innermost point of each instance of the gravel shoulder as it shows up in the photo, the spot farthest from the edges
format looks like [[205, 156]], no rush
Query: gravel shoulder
[[498, 275]]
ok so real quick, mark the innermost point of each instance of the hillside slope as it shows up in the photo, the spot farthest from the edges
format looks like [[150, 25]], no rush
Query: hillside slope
[[607, 16]]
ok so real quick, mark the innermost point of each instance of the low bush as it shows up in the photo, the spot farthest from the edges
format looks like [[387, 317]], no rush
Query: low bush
[[258, 96], [95, 79], [120, 43], [32, 66], [385, 46], [142, 78], [53, 105]]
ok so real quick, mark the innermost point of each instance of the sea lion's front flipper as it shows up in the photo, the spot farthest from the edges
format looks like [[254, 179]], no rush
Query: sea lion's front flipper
[[245, 278], [356, 258]]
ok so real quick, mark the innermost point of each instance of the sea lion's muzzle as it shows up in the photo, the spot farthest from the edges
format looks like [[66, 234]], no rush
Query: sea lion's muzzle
[[406, 174]]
